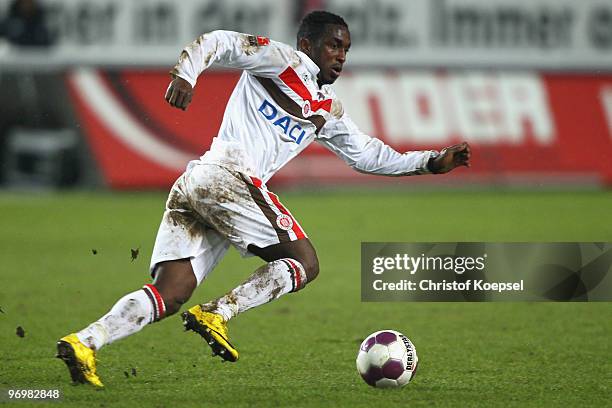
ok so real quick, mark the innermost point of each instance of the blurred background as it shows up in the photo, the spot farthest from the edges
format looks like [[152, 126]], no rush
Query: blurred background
[[82, 118], [527, 82]]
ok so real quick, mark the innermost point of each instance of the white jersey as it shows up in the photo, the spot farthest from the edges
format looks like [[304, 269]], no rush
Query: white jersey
[[277, 109]]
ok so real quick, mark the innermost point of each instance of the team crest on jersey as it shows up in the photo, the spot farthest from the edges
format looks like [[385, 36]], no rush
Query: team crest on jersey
[[306, 109], [284, 222]]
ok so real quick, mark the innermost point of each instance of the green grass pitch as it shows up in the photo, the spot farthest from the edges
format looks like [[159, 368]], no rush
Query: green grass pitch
[[300, 350]]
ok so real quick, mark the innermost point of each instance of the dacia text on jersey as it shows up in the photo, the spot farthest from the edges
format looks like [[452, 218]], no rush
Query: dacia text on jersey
[[288, 126]]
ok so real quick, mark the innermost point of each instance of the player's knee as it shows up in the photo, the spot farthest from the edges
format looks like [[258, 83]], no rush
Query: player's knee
[[311, 267], [173, 300], [175, 282], [174, 304]]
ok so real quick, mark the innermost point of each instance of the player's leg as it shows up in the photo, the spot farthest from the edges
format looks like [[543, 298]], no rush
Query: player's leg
[[290, 266], [254, 217], [175, 282], [301, 250], [185, 252], [173, 285]]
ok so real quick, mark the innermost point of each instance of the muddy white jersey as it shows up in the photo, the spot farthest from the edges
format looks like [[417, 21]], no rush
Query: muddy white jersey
[[277, 109]]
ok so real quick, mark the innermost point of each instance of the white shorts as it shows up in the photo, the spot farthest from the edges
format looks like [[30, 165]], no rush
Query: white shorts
[[210, 207]]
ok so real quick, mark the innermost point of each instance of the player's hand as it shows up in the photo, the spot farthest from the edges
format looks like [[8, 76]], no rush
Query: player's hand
[[451, 157], [179, 93]]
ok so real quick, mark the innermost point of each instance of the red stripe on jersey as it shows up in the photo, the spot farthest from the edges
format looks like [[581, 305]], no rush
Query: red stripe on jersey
[[293, 81], [295, 228], [158, 299]]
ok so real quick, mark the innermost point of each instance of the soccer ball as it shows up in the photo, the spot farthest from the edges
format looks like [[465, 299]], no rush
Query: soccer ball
[[387, 359]]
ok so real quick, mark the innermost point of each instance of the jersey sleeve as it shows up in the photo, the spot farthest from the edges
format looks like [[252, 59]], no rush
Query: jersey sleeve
[[258, 55], [370, 155]]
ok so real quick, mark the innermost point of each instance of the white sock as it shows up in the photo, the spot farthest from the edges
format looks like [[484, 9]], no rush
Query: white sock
[[267, 283], [128, 316]]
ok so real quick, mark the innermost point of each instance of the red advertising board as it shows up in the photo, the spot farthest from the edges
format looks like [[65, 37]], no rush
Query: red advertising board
[[524, 127]]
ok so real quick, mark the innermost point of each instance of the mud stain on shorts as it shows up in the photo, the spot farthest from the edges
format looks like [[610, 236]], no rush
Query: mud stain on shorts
[[212, 200], [180, 215]]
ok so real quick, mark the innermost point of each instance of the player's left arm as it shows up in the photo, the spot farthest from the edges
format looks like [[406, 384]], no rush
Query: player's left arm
[[370, 155]]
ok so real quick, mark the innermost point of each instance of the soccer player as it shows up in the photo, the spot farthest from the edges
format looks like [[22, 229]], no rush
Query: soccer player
[[282, 102]]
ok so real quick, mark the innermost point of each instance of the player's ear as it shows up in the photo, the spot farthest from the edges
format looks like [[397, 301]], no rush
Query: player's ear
[[305, 45]]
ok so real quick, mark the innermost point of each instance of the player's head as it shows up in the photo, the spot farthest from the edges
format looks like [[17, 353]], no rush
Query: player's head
[[325, 38]]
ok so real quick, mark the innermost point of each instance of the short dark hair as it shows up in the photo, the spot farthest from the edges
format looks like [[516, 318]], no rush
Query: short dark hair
[[314, 23]]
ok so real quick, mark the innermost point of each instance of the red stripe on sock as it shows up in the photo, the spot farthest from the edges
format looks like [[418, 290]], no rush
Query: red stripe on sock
[[291, 273], [158, 299], [151, 298], [297, 274]]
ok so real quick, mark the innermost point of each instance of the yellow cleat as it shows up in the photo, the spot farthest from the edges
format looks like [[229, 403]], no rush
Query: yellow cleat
[[80, 359], [213, 329]]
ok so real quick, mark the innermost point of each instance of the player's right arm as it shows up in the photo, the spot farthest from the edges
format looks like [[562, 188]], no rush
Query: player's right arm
[[179, 93], [258, 55]]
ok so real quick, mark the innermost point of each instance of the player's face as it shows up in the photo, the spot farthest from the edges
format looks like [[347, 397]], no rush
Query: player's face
[[330, 53]]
